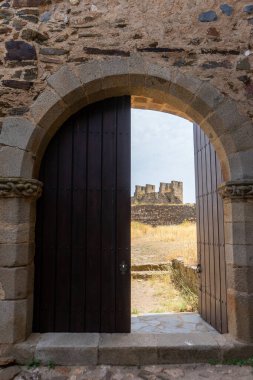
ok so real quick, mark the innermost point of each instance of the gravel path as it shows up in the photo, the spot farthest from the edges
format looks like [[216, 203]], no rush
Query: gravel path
[[169, 372]]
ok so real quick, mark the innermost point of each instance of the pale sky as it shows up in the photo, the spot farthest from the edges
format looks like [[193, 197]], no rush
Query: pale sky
[[162, 151]]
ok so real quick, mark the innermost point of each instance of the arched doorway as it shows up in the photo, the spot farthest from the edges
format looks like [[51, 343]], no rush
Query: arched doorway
[[25, 139], [82, 260]]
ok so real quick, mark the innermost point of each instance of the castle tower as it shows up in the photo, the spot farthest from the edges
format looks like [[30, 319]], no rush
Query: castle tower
[[139, 190], [164, 188], [150, 189], [177, 189]]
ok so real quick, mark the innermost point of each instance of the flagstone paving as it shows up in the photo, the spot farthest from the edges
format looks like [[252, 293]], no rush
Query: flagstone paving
[[167, 323]]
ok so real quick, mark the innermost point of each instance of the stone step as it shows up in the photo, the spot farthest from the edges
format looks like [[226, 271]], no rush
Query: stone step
[[149, 274], [131, 349], [150, 266]]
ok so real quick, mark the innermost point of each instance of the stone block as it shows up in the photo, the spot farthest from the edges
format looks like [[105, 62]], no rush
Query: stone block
[[17, 210], [24, 352], [13, 316], [117, 66], [160, 72], [16, 132], [48, 109], [238, 140], [15, 162], [68, 348], [207, 99], [239, 233], [19, 50], [14, 255], [225, 118], [238, 211], [67, 85], [137, 65], [182, 348], [128, 349], [89, 72], [16, 233], [239, 254], [240, 278], [241, 165], [16, 283], [240, 311], [9, 373]]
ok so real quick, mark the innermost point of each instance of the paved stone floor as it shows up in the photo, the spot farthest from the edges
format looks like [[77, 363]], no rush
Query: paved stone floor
[[170, 323], [169, 372]]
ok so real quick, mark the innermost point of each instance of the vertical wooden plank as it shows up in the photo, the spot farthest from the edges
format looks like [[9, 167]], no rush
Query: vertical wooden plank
[[78, 264], [93, 215], [47, 243], [222, 257], [210, 237], [64, 229], [216, 246], [123, 291], [108, 215], [196, 139]]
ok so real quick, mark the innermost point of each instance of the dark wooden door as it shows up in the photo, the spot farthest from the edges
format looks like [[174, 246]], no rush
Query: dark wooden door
[[82, 262], [210, 233]]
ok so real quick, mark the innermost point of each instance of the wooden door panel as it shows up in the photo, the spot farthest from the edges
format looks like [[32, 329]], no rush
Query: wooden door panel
[[83, 224], [210, 233]]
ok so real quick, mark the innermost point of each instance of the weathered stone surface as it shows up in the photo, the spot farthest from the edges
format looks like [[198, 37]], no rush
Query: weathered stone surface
[[156, 215], [9, 372], [6, 14], [53, 51], [45, 17], [20, 84], [67, 85], [114, 52], [243, 64], [13, 315], [227, 9], [33, 35], [248, 9], [5, 30], [208, 16], [16, 283], [12, 255], [19, 50], [71, 348], [47, 108], [29, 3]]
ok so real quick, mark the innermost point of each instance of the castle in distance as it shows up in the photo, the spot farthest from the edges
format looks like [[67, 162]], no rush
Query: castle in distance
[[168, 193]]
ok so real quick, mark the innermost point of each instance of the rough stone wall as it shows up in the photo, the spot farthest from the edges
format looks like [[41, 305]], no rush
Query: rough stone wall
[[39, 36], [159, 215]]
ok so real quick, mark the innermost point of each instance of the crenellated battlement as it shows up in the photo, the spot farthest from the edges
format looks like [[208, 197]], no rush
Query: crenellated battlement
[[171, 192]]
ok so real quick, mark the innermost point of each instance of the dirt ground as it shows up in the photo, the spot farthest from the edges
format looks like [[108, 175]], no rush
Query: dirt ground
[[158, 245], [156, 295]]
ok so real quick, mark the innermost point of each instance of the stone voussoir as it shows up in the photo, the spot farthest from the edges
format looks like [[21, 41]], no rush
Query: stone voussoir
[[65, 83], [47, 109]]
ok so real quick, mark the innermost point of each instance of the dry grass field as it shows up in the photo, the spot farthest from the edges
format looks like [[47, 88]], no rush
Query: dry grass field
[[154, 245], [163, 243]]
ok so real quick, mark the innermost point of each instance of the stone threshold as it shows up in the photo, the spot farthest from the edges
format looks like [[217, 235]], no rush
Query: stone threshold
[[71, 349]]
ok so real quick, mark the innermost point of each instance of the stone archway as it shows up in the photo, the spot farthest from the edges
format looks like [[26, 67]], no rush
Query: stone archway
[[23, 142]]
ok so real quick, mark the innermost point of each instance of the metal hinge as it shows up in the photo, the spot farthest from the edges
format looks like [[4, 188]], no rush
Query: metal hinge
[[199, 269]]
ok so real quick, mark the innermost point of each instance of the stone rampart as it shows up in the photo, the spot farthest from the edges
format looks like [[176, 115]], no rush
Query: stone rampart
[[159, 215]]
